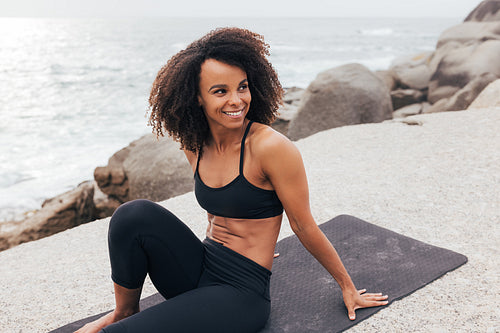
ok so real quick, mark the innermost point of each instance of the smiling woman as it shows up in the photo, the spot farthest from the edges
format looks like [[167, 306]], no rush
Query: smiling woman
[[217, 97]]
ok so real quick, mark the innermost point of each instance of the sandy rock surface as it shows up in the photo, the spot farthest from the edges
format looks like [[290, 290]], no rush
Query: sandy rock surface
[[437, 182]]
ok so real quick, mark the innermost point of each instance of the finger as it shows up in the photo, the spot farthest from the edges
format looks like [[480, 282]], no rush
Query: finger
[[276, 255], [362, 291], [352, 314], [369, 304], [375, 296]]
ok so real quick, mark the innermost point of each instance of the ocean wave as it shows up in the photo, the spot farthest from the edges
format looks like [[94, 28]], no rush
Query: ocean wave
[[377, 32], [11, 178]]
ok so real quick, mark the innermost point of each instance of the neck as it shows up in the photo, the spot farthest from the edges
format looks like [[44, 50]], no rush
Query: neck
[[222, 138]]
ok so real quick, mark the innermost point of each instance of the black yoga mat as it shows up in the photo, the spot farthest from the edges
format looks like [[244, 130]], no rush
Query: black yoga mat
[[305, 298]]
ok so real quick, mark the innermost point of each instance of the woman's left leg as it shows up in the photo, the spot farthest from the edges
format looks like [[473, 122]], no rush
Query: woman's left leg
[[216, 308]]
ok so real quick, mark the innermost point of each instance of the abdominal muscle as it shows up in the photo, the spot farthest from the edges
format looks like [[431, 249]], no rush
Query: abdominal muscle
[[252, 238]]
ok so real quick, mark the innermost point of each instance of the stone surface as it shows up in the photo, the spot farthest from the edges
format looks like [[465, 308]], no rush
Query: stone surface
[[149, 168], [408, 110], [461, 65], [388, 77], [489, 97], [470, 31], [104, 205], [404, 97], [289, 109], [412, 71], [57, 214], [465, 96], [438, 106], [485, 11], [345, 95]]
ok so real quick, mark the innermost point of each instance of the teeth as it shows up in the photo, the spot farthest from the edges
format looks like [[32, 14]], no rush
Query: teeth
[[237, 113]]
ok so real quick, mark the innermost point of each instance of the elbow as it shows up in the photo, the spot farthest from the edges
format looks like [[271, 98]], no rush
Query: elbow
[[297, 228]]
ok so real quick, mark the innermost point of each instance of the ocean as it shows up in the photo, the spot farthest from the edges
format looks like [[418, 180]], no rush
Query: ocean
[[74, 91]]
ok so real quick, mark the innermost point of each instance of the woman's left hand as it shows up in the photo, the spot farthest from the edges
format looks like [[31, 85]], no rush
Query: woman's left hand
[[358, 299]]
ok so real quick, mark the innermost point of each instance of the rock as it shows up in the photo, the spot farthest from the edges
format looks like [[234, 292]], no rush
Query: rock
[[412, 71], [461, 65], [346, 95], [388, 77], [485, 11], [291, 102], [489, 97], [438, 106], [470, 31], [409, 110], [62, 212], [104, 205], [293, 95], [148, 168], [404, 97], [464, 97], [440, 53], [425, 107]]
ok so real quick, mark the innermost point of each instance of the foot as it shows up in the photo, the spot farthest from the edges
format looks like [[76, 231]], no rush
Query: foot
[[97, 325]]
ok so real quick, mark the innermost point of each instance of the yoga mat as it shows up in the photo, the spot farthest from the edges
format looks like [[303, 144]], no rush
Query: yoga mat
[[305, 298]]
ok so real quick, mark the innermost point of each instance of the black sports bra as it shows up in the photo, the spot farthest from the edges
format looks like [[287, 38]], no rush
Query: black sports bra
[[239, 198]]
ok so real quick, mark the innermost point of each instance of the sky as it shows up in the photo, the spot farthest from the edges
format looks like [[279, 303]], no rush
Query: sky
[[229, 8]]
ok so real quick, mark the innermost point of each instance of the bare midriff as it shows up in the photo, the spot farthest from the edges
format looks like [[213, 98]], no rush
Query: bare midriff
[[252, 238]]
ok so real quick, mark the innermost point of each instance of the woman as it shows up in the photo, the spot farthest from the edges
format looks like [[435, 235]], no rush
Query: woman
[[217, 98]]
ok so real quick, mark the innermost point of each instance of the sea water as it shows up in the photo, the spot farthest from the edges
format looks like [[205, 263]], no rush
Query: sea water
[[74, 91]]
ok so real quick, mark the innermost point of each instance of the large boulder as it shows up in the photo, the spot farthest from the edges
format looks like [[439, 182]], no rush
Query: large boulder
[[470, 31], [463, 97], [346, 95], [489, 97], [388, 77], [461, 65], [413, 71], [485, 11], [149, 168], [62, 212]]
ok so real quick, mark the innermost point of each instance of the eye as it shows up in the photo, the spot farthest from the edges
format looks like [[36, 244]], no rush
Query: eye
[[220, 91], [244, 87]]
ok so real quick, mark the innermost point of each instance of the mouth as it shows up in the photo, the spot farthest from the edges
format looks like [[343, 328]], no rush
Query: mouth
[[234, 113]]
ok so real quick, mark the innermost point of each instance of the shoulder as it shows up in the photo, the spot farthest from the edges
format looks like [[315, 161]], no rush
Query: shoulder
[[272, 147]]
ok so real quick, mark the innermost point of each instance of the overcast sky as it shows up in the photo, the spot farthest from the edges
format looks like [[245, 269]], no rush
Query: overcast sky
[[252, 8]]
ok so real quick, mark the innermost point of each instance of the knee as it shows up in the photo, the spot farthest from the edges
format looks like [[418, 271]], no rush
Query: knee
[[128, 218]]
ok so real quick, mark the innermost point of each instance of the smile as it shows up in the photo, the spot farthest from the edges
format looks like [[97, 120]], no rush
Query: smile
[[233, 113]]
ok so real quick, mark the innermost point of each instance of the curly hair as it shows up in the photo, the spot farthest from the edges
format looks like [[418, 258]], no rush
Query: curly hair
[[173, 101]]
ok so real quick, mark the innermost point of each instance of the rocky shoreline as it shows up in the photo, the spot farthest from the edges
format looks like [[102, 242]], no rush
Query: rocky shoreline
[[451, 78]]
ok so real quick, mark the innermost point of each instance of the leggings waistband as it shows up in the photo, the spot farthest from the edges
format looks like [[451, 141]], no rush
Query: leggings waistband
[[230, 267]]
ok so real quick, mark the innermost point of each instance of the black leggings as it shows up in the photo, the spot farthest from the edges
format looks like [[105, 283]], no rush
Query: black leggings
[[208, 287]]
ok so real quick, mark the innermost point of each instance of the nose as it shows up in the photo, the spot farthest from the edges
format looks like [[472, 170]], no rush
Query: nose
[[234, 99]]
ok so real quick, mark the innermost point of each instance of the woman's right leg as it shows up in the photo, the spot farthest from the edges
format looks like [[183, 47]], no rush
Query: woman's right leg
[[146, 238]]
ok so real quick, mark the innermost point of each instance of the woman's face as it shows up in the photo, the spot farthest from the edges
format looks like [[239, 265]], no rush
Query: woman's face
[[224, 94]]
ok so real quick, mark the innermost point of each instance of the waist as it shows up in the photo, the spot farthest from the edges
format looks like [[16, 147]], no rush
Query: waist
[[229, 267]]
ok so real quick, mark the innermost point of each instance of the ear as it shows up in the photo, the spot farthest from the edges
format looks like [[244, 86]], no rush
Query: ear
[[200, 100]]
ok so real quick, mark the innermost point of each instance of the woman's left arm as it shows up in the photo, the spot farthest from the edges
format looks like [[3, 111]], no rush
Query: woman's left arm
[[282, 164]]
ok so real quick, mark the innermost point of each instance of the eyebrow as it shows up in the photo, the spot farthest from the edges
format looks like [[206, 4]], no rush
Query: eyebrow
[[225, 85]]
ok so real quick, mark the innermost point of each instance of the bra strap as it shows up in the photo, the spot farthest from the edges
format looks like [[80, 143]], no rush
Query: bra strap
[[242, 152], [197, 161]]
